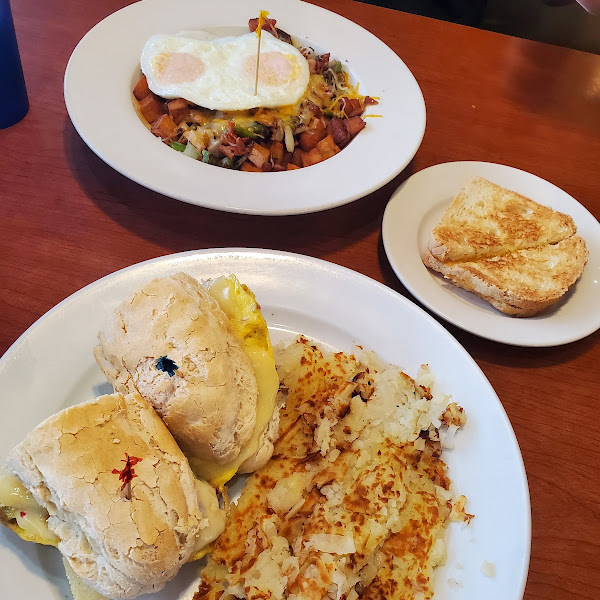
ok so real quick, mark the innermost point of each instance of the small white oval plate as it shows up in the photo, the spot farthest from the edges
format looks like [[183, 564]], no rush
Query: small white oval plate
[[105, 66], [51, 366], [417, 206]]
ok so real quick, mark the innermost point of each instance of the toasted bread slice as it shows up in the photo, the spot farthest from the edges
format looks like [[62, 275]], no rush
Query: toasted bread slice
[[486, 220], [522, 282]]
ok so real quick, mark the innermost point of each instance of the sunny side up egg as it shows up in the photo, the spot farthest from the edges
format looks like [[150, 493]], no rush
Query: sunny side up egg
[[220, 74]]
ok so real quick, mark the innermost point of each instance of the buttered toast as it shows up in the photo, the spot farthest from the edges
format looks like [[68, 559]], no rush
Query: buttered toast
[[523, 282], [516, 254], [486, 220]]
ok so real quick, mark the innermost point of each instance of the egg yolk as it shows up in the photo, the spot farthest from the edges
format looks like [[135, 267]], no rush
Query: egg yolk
[[274, 68], [176, 67]]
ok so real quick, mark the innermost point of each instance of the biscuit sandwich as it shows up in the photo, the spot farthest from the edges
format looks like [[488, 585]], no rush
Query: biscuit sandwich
[[105, 482], [201, 355]]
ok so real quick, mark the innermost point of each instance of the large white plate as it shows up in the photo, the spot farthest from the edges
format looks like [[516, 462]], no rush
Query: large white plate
[[51, 366], [105, 65], [417, 206]]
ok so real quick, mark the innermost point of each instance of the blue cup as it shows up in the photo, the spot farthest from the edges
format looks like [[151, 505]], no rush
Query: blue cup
[[13, 95]]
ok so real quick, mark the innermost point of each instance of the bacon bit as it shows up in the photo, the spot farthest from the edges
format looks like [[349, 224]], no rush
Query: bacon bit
[[343, 130], [230, 151], [234, 145], [269, 25], [23, 514], [354, 125], [337, 130], [127, 473], [321, 62]]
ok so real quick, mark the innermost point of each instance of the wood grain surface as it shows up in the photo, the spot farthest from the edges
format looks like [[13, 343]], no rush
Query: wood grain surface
[[67, 219]]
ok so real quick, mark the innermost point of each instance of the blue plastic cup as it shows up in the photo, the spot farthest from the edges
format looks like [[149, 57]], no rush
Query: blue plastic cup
[[13, 95]]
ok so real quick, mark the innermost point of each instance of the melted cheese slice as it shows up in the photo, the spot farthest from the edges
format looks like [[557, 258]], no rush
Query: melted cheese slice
[[239, 304], [22, 513], [209, 505]]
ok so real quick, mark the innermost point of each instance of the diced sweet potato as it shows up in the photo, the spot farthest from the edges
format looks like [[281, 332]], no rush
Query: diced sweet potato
[[248, 166], [259, 155], [312, 157], [287, 158], [314, 134], [197, 116], [141, 89], [164, 127], [277, 152], [292, 166], [327, 147], [179, 110], [351, 106], [297, 157], [151, 107]]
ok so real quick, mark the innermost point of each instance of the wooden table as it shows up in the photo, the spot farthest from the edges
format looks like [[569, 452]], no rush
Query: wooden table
[[67, 219]]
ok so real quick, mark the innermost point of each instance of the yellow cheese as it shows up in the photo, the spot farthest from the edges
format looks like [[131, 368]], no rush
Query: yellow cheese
[[22, 513], [239, 304]]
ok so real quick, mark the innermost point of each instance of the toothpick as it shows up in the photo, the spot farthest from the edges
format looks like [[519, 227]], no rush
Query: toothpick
[[262, 19], [257, 65]]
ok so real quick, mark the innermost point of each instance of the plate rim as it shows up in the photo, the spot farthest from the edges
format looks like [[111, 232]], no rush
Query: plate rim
[[353, 190], [344, 273], [446, 310]]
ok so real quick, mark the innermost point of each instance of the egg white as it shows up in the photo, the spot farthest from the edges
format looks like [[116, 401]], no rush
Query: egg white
[[220, 74]]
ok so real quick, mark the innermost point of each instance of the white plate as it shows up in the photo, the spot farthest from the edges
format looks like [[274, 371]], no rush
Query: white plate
[[51, 366], [417, 206], [105, 66]]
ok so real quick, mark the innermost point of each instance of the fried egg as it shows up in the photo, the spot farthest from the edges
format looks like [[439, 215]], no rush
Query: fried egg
[[220, 74]]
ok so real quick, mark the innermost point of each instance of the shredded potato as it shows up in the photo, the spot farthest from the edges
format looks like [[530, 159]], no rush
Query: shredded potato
[[355, 500]]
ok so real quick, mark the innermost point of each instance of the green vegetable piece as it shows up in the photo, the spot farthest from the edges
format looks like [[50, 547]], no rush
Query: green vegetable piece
[[253, 131], [177, 146], [227, 163], [208, 158], [237, 163], [336, 66]]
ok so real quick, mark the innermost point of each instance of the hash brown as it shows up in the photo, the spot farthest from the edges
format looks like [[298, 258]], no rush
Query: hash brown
[[355, 500]]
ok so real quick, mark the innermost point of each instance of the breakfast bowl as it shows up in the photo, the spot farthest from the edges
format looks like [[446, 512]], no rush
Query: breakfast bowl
[[105, 67]]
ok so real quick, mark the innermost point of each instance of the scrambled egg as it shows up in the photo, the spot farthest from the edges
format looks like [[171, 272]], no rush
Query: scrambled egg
[[239, 304]]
